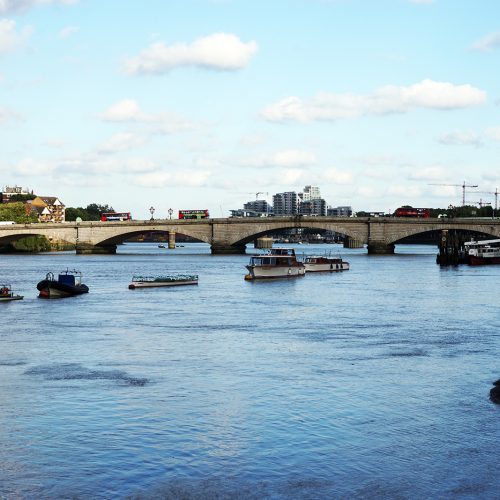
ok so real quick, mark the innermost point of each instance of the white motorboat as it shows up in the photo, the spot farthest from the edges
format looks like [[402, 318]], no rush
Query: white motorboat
[[321, 263], [277, 263]]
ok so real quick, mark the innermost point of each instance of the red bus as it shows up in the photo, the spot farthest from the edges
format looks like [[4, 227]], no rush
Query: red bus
[[193, 214], [423, 213], [116, 216]]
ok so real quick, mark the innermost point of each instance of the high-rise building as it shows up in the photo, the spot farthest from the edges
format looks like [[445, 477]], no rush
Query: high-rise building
[[259, 207], [339, 211], [286, 203], [316, 206]]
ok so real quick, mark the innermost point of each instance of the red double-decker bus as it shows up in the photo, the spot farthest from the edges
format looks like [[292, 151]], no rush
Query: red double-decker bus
[[423, 213], [193, 214], [116, 216]]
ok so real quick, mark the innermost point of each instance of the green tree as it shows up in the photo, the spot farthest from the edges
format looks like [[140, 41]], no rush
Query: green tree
[[16, 212], [92, 212]]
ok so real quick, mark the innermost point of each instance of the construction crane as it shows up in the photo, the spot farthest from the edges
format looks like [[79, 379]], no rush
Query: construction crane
[[496, 197], [481, 203], [257, 194], [463, 186]]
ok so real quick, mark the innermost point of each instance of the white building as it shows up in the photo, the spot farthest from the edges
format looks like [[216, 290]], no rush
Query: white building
[[310, 193]]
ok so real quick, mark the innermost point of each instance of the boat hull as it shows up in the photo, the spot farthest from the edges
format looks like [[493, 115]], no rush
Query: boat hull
[[483, 261], [11, 298], [145, 284], [267, 272], [54, 290], [327, 267]]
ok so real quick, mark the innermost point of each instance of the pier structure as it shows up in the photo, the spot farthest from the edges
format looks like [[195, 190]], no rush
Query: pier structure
[[230, 236]]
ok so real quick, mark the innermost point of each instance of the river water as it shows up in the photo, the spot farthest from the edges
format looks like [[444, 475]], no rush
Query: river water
[[372, 383]]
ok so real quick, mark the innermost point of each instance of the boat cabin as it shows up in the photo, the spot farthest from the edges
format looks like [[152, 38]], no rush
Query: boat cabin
[[271, 260]]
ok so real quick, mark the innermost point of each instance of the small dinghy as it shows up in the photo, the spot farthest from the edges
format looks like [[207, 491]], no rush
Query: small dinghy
[[157, 281], [68, 284], [6, 294]]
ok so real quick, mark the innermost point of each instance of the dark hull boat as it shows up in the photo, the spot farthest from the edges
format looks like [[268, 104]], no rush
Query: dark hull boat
[[67, 284], [483, 252]]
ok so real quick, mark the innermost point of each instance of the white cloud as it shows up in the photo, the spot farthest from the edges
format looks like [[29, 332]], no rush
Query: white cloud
[[290, 158], [384, 100], [7, 115], [460, 138], [55, 143], [104, 165], [487, 43], [292, 176], [32, 167], [444, 191], [163, 179], [493, 133], [121, 142], [293, 158], [221, 51], [10, 38], [337, 176], [13, 6], [126, 110], [129, 111], [68, 31], [428, 173], [404, 190]]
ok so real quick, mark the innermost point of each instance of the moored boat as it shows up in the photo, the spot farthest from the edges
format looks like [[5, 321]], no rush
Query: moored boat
[[67, 284], [318, 263], [277, 263], [158, 281], [483, 252], [7, 295]]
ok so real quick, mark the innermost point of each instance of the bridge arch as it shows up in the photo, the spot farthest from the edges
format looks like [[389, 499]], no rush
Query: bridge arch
[[485, 230], [122, 234], [249, 234], [14, 236]]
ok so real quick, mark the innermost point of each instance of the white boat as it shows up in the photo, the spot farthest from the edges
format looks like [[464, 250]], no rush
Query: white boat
[[277, 263], [7, 295], [158, 281], [318, 263], [483, 252]]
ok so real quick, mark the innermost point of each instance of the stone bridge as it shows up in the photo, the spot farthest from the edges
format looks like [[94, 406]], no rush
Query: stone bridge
[[231, 235]]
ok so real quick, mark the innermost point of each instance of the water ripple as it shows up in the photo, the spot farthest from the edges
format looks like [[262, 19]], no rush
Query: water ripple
[[75, 371]]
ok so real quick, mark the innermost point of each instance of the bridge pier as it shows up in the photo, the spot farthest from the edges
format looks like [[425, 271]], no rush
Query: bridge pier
[[88, 248], [380, 248], [221, 249], [171, 240], [352, 243]]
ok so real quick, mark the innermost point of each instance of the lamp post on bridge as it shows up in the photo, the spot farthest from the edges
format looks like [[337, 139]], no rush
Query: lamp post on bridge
[[152, 211], [170, 212]]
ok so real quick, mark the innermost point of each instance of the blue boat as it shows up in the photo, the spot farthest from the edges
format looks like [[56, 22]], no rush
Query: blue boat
[[68, 284]]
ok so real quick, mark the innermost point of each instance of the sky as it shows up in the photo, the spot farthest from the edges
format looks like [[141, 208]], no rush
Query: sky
[[207, 104]]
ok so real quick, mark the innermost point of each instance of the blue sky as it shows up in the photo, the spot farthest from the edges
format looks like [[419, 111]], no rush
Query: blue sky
[[200, 103]]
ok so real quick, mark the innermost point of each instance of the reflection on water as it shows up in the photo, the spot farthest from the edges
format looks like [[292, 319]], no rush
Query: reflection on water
[[372, 383]]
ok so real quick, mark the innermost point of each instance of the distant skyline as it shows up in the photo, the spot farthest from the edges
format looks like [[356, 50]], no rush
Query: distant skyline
[[203, 103]]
